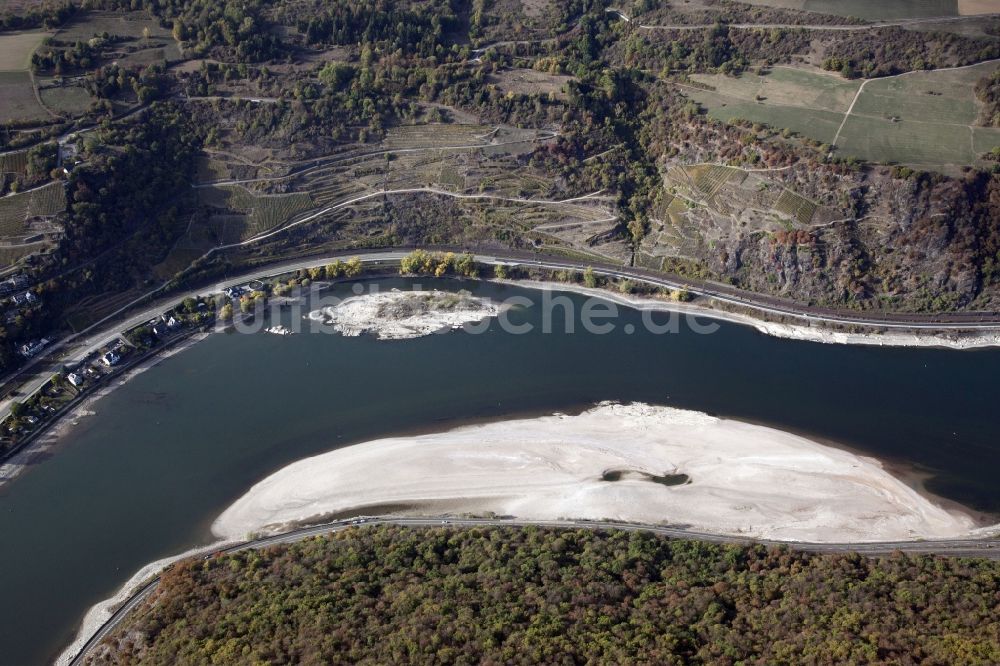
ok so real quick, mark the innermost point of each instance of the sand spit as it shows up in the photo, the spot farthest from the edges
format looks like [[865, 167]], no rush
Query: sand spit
[[399, 315], [742, 479]]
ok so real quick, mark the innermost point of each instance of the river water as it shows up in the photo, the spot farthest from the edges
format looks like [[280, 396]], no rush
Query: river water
[[164, 454]]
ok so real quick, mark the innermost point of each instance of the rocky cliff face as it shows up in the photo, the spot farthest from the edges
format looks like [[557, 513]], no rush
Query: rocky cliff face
[[887, 238]]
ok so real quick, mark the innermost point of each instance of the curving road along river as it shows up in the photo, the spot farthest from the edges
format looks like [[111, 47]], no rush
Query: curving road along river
[[77, 347], [988, 548]]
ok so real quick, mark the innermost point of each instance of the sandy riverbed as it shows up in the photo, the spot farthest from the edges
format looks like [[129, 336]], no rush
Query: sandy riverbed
[[744, 479], [398, 315]]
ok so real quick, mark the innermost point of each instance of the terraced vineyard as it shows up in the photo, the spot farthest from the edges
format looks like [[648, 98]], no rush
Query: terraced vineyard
[[230, 228], [706, 204], [47, 200], [10, 255], [272, 211], [794, 206], [329, 191], [263, 212], [450, 176], [709, 178], [16, 162], [476, 160], [436, 136], [210, 170], [13, 213]]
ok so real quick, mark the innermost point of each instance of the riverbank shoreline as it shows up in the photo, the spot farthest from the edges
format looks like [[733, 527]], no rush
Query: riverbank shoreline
[[820, 334], [955, 523], [101, 612], [556, 286], [49, 438]]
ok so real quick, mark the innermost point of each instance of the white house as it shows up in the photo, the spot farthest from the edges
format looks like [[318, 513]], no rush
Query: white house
[[29, 349]]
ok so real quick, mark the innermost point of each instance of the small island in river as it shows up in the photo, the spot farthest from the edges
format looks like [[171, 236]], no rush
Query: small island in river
[[400, 315]]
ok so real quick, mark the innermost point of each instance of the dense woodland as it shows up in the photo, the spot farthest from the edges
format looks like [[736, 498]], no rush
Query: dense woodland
[[988, 91], [47, 14], [124, 211], [507, 595], [894, 50]]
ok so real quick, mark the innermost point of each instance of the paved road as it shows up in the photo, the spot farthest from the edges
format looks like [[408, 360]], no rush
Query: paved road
[[79, 346], [988, 548], [838, 27]]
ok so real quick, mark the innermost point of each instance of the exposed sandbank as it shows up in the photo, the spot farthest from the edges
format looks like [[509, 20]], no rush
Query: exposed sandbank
[[400, 315], [744, 479]]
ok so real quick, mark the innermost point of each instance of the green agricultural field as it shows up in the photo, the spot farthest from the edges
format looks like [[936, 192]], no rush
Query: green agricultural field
[[926, 145], [814, 123], [66, 100], [787, 86], [16, 88], [944, 96], [985, 139], [16, 49], [869, 9], [925, 119], [806, 102], [18, 95]]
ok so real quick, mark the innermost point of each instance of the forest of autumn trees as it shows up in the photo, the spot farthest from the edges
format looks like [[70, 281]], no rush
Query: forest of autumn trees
[[528, 595]]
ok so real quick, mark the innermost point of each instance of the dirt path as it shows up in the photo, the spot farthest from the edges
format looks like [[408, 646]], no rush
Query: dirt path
[[837, 27], [857, 96], [861, 88]]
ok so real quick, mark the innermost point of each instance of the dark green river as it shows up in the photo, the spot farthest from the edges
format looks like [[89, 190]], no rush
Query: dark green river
[[145, 476]]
